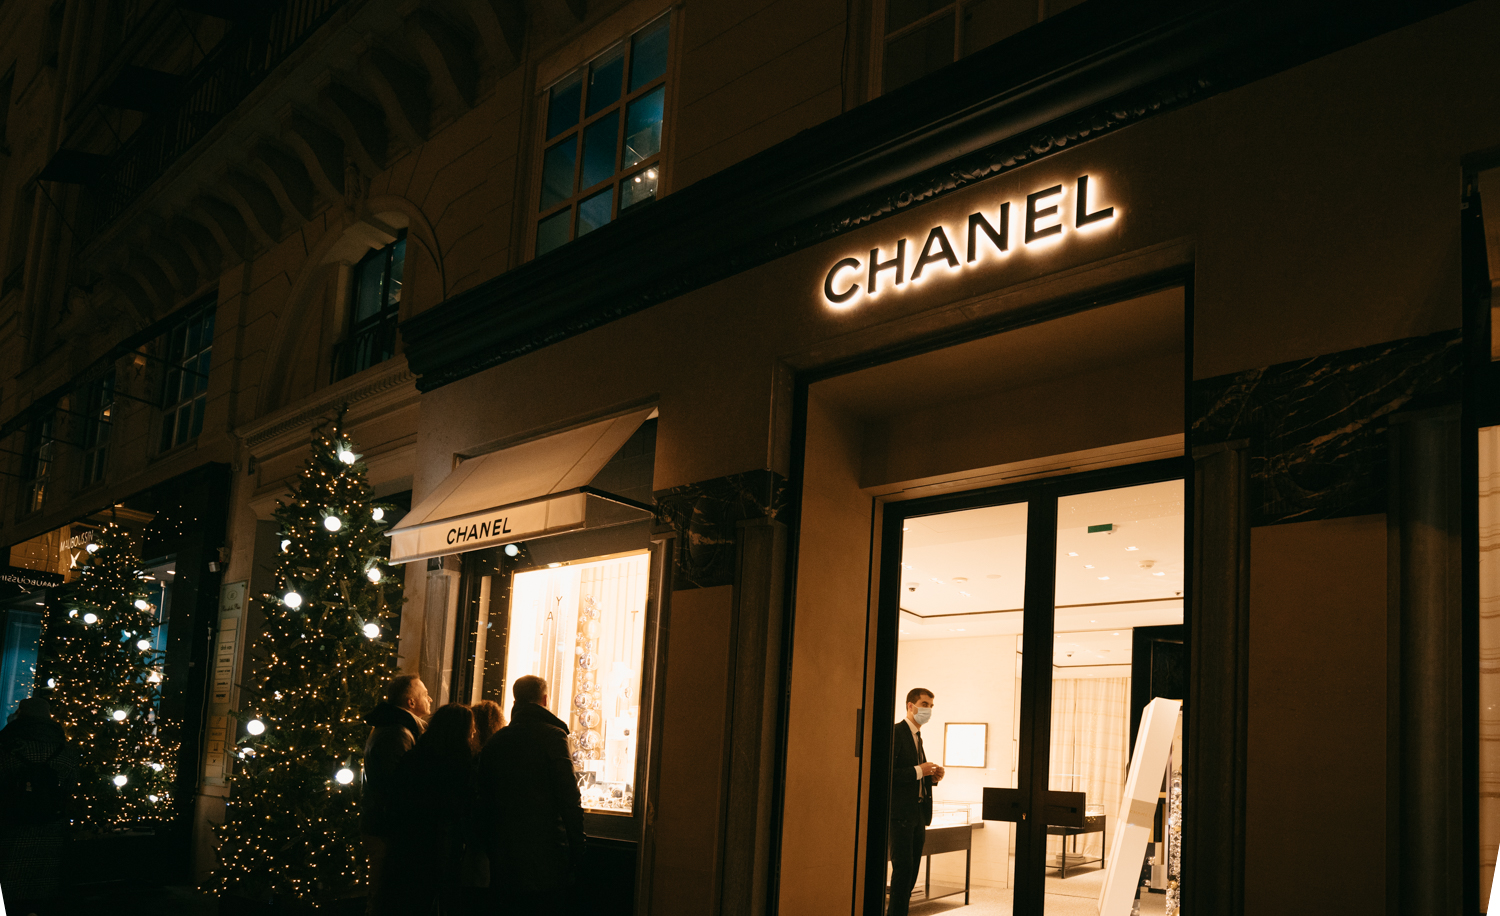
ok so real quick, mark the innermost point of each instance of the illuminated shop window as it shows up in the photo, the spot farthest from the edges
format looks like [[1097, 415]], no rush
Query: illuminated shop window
[[374, 310], [580, 627], [603, 134], [921, 36], [189, 351]]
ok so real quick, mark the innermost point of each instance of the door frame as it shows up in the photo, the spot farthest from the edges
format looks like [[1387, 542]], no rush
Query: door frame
[[1036, 703]]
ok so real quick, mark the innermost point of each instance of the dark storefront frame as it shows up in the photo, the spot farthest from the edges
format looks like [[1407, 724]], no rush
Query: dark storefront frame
[[1226, 882]]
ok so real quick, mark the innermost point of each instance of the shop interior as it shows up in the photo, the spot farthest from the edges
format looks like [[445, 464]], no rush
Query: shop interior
[[1119, 580]]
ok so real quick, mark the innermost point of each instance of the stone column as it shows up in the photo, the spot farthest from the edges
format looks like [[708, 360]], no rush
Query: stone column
[[1213, 835], [1426, 664], [750, 740]]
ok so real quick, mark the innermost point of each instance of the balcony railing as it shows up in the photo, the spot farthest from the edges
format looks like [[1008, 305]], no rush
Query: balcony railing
[[365, 348], [232, 69]]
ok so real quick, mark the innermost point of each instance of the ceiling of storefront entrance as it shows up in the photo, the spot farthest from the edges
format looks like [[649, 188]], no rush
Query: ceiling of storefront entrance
[[963, 572], [1113, 335]]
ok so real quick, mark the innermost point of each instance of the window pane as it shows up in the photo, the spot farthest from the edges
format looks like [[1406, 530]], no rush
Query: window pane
[[398, 266], [649, 54], [562, 105], [1117, 625], [557, 172], [987, 21], [638, 188], [198, 416], [605, 77], [367, 289], [594, 212], [643, 127], [553, 231], [208, 328], [184, 416], [596, 610], [167, 427], [919, 53], [202, 368], [899, 13], [599, 149], [192, 346]]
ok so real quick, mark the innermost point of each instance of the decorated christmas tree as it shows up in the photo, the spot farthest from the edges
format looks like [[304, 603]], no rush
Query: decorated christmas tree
[[102, 669], [327, 650]]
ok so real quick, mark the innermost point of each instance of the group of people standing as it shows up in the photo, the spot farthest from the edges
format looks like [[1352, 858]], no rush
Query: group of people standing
[[462, 813]]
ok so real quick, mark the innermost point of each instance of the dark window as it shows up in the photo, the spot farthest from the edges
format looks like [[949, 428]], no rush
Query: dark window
[[189, 348], [925, 35], [99, 409], [15, 247], [36, 463], [374, 310], [7, 86], [602, 152]]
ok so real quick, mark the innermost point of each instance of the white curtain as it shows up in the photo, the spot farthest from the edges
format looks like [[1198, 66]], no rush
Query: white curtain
[[1090, 721]]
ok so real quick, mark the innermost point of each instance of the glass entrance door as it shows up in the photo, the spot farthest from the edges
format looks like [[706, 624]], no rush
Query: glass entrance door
[[1023, 632]]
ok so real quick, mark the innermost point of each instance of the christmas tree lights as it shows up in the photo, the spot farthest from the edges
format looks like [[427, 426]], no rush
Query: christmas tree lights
[[98, 661], [291, 826]]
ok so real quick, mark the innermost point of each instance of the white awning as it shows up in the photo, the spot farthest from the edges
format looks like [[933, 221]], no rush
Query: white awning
[[526, 491]]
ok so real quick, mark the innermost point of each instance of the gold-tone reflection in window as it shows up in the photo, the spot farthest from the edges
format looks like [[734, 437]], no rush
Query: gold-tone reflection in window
[[580, 628]]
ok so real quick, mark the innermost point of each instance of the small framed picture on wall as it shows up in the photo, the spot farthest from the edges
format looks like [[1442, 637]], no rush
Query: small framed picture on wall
[[964, 744]]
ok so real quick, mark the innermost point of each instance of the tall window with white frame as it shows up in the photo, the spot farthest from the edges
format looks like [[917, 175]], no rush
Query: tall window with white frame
[[36, 463], [189, 351], [603, 137], [98, 409], [921, 36], [374, 310]]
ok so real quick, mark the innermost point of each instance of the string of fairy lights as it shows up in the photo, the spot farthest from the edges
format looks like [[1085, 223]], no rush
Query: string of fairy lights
[[103, 675], [324, 656]]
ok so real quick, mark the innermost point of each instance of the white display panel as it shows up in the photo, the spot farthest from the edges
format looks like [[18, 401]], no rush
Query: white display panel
[[580, 627], [1132, 828], [964, 744]]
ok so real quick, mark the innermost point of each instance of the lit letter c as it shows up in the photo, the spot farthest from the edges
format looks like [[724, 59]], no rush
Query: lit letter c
[[846, 295]]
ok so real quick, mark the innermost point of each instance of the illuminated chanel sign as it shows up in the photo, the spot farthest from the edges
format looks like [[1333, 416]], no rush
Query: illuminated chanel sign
[[984, 236]]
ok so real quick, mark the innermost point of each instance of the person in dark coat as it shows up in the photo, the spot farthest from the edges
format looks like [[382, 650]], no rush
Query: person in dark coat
[[530, 804], [912, 779], [488, 719], [434, 808], [395, 724], [35, 762]]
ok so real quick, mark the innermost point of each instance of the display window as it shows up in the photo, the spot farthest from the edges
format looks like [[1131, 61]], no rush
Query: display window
[[1039, 670], [585, 624], [580, 627]]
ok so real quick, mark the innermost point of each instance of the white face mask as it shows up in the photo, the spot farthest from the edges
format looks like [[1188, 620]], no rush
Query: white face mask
[[922, 714]]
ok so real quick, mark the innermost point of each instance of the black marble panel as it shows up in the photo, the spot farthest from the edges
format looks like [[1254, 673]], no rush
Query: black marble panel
[[1317, 427], [704, 515]]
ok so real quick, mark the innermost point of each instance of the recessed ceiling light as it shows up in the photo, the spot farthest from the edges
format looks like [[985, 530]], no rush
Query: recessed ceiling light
[[955, 629], [905, 529], [1102, 578], [1158, 574], [1132, 548], [966, 594], [1093, 621], [960, 579], [1116, 634], [1072, 553], [1088, 566]]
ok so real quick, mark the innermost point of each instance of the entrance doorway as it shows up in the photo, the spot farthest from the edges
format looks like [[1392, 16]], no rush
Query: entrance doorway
[[1029, 625]]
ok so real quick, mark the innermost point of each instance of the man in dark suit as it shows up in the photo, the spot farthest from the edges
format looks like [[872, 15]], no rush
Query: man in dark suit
[[912, 779], [530, 806]]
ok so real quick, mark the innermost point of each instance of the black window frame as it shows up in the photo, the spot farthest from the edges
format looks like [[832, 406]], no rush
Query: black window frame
[[372, 341], [98, 409], [646, 171], [37, 460], [187, 357]]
